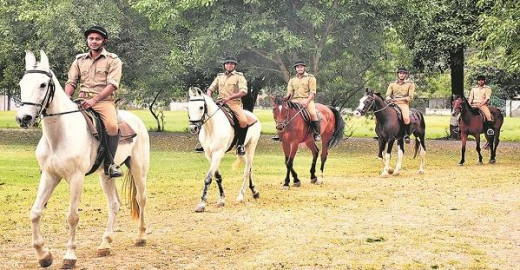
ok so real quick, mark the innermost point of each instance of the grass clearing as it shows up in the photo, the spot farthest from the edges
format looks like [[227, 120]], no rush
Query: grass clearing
[[450, 218]]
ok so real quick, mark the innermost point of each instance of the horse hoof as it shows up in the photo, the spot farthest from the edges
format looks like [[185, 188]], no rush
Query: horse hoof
[[221, 204], [318, 182], [395, 173], [103, 252], [313, 180], [240, 199], [284, 187], [297, 184], [256, 195], [199, 209], [140, 243], [384, 175], [46, 261], [480, 163], [461, 164], [390, 171], [421, 172], [68, 264], [492, 161]]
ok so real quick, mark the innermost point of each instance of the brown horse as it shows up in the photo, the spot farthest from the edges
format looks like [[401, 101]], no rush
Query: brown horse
[[390, 128], [293, 130], [472, 123]]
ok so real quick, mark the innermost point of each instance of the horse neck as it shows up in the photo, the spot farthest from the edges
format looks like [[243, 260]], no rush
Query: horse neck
[[466, 111], [56, 127], [215, 116], [381, 109]]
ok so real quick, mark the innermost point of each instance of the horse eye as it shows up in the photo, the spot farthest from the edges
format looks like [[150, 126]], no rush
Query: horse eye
[[42, 85], [201, 108]]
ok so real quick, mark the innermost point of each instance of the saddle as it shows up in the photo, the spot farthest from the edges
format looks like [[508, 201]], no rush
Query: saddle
[[413, 116], [305, 113], [97, 129], [233, 121]]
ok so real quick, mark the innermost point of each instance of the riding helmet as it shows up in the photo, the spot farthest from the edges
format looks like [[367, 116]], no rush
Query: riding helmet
[[402, 69], [230, 59], [299, 63], [481, 77], [97, 29]]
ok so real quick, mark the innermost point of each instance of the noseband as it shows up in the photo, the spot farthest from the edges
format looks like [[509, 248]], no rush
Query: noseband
[[371, 105], [283, 124], [203, 119], [49, 94]]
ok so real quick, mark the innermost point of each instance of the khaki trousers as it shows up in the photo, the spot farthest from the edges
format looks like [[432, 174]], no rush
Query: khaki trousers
[[405, 110], [487, 113], [239, 113], [108, 113], [311, 108]]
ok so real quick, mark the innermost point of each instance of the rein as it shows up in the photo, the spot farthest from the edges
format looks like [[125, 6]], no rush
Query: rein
[[285, 123], [49, 97], [203, 120]]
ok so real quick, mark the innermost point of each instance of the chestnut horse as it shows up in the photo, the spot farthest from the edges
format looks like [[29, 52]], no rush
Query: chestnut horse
[[293, 130], [389, 128], [472, 123]]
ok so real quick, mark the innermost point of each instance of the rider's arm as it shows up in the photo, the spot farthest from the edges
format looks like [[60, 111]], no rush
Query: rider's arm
[[290, 90], [389, 92], [73, 75], [312, 89], [211, 88]]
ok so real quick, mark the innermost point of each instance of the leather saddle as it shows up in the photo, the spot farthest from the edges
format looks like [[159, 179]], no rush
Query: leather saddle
[[413, 117], [305, 113]]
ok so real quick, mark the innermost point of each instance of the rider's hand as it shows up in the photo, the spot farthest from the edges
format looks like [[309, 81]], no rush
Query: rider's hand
[[88, 103]]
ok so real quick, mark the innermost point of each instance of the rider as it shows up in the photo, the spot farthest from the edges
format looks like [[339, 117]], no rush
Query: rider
[[99, 73], [232, 86], [302, 89], [479, 98], [401, 93]]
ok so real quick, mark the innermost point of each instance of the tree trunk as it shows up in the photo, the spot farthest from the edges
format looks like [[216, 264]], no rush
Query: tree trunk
[[457, 70], [159, 127]]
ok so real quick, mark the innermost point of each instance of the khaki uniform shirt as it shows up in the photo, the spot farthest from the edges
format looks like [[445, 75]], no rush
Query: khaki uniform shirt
[[229, 84], [95, 74], [396, 90], [479, 94], [300, 88]]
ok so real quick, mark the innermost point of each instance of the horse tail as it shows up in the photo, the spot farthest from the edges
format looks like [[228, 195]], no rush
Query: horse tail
[[423, 128], [129, 186], [237, 163], [339, 127]]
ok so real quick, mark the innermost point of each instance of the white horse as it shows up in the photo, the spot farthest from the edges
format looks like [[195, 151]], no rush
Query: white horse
[[67, 150], [216, 136]]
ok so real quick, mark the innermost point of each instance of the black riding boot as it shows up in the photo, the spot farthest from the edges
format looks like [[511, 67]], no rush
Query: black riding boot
[[113, 168], [490, 131], [317, 130], [407, 133], [275, 137], [241, 138]]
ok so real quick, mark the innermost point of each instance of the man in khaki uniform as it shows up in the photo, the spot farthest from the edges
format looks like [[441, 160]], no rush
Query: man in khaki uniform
[[302, 89], [232, 86], [479, 98], [401, 93], [99, 73]]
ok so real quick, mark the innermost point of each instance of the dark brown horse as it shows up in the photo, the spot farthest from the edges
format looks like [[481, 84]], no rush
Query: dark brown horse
[[293, 130], [390, 128], [471, 122]]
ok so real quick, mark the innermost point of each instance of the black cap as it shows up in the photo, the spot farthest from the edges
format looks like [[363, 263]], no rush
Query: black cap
[[402, 69], [230, 59], [97, 29], [481, 77], [299, 63]]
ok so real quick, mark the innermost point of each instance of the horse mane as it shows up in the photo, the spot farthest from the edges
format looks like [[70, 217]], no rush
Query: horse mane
[[292, 105], [466, 103]]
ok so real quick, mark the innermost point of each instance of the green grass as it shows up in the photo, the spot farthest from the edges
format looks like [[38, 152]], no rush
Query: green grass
[[436, 126]]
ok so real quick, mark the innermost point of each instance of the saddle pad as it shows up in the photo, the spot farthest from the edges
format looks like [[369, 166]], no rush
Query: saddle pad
[[127, 133], [232, 119]]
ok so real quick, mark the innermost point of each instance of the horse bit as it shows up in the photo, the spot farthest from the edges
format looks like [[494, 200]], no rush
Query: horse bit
[[283, 124]]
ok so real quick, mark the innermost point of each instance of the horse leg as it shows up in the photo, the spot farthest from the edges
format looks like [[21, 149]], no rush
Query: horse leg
[[494, 146], [221, 201], [422, 153], [215, 162], [324, 155], [287, 174], [314, 149], [400, 153], [76, 188], [47, 185], [382, 145], [477, 144], [386, 170], [113, 204], [138, 174], [463, 140]]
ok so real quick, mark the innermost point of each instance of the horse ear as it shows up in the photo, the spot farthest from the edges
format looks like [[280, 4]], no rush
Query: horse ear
[[272, 100], [30, 60], [191, 91], [44, 60]]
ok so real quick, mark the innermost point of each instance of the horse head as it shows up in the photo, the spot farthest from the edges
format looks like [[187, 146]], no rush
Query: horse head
[[197, 109], [365, 103], [457, 102], [36, 89], [281, 110]]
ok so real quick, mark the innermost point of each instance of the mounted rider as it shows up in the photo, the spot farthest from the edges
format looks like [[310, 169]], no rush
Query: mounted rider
[[401, 93], [232, 86], [302, 89], [479, 98], [99, 74]]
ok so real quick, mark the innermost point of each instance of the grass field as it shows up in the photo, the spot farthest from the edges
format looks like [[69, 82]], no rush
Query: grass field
[[436, 126], [449, 218]]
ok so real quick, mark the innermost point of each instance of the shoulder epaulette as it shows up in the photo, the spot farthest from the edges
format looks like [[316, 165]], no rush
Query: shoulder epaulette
[[81, 55], [113, 55], [239, 73], [220, 74], [309, 75]]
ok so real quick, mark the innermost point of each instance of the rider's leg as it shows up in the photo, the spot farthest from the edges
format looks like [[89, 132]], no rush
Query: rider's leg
[[489, 120], [242, 130], [315, 123], [405, 110], [107, 112]]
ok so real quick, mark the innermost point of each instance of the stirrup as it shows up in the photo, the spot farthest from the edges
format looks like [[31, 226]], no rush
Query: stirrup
[[114, 171], [275, 137], [490, 132], [317, 138], [407, 139], [199, 149], [456, 130], [241, 150]]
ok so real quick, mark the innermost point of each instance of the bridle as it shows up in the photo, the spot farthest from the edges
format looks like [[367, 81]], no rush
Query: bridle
[[203, 119], [283, 124], [458, 109], [372, 101], [47, 99]]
